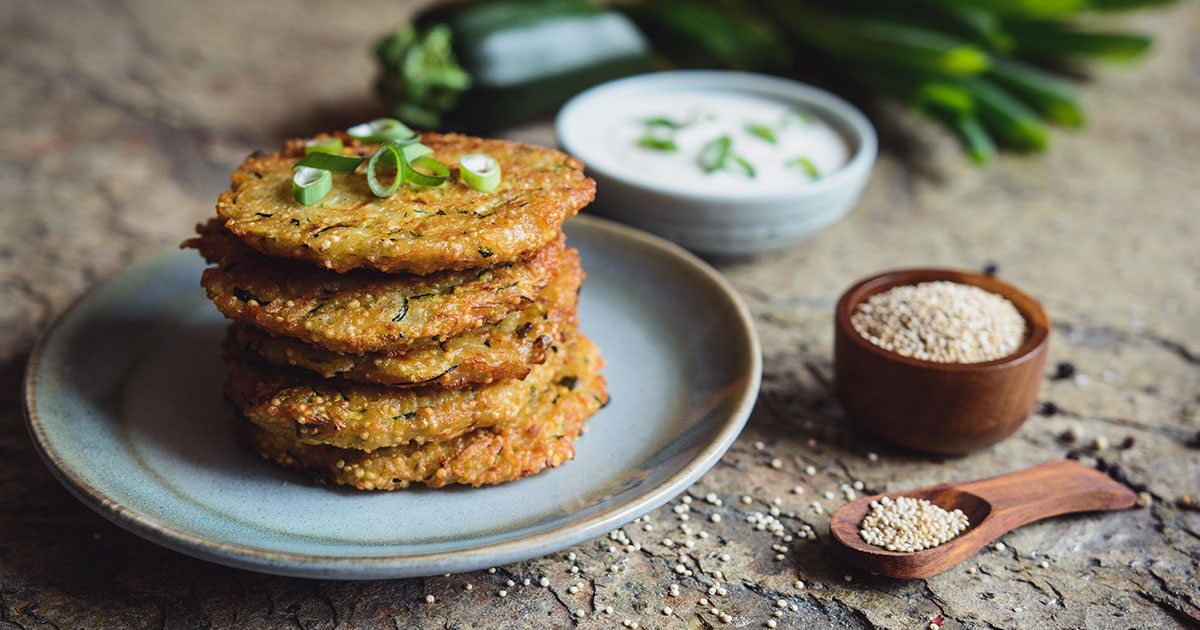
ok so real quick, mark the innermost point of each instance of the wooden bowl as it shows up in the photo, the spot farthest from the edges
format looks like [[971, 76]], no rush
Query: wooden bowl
[[946, 408]]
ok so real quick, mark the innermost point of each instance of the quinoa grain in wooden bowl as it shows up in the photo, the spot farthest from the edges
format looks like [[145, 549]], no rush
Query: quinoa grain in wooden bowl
[[939, 360]]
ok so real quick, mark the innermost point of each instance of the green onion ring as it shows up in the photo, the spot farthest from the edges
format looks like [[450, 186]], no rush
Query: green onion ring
[[383, 130], [745, 165], [763, 132], [480, 170], [440, 172], [331, 162], [715, 154], [809, 167], [655, 143], [309, 185], [409, 150], [324, 145], [393, 153]]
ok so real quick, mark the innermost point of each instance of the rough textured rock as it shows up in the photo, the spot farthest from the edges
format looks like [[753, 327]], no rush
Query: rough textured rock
[[123, 119]]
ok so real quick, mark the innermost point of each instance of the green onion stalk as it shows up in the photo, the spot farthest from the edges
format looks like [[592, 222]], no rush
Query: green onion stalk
[[993, 72]]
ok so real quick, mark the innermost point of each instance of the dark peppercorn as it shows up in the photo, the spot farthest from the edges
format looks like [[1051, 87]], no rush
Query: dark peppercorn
[[1048, 409], [1129, 442], [1195, 441], [1065, 369], [1101, 464], [990, 268], [1073, 454], [1118, 474]]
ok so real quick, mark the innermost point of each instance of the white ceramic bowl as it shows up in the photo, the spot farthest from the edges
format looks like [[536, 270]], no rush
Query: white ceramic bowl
[[722, 224]]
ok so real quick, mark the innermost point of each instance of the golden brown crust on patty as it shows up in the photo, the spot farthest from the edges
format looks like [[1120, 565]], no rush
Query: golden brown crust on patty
[[416, 230], [341, 413], [543, 438], [363, 311], [503, 350]]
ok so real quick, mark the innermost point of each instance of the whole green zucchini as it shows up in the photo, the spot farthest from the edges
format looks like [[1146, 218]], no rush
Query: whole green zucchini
[[486, 65]]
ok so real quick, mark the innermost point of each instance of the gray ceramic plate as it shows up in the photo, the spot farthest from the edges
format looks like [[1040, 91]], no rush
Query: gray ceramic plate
[[123, 398]]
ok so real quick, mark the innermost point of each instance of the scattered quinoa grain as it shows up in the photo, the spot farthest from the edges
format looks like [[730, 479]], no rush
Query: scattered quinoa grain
[[429, 599]]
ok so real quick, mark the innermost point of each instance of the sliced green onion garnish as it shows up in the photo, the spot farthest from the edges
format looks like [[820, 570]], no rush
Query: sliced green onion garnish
[[414, 151], [324, 145], [715, 154], [392, 151], [479, 170], [410, 151], [438, 170], [309, 185], [800, 115], [383, 130], [762, 131], [663, 121], [745, 165], [649, 141], [807, 165], [330, 162]]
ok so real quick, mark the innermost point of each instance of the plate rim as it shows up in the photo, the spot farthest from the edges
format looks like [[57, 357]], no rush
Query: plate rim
[[425, 564]]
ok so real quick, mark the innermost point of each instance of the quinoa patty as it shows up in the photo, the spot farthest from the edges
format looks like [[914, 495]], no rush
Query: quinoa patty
[[543, 438], [341, 413], [503, 350], [418, 229], [363, 311]]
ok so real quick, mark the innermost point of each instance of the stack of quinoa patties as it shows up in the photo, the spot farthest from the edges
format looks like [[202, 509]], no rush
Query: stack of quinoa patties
[[425, 337]]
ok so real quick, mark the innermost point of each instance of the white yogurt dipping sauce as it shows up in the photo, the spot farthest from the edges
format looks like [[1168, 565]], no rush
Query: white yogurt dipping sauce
[[707, 115]]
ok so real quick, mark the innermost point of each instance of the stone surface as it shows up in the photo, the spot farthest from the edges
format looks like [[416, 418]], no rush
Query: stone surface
[[123, 119]]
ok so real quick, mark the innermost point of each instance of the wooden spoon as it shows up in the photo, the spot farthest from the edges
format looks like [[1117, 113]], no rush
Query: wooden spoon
[[994, 507]]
